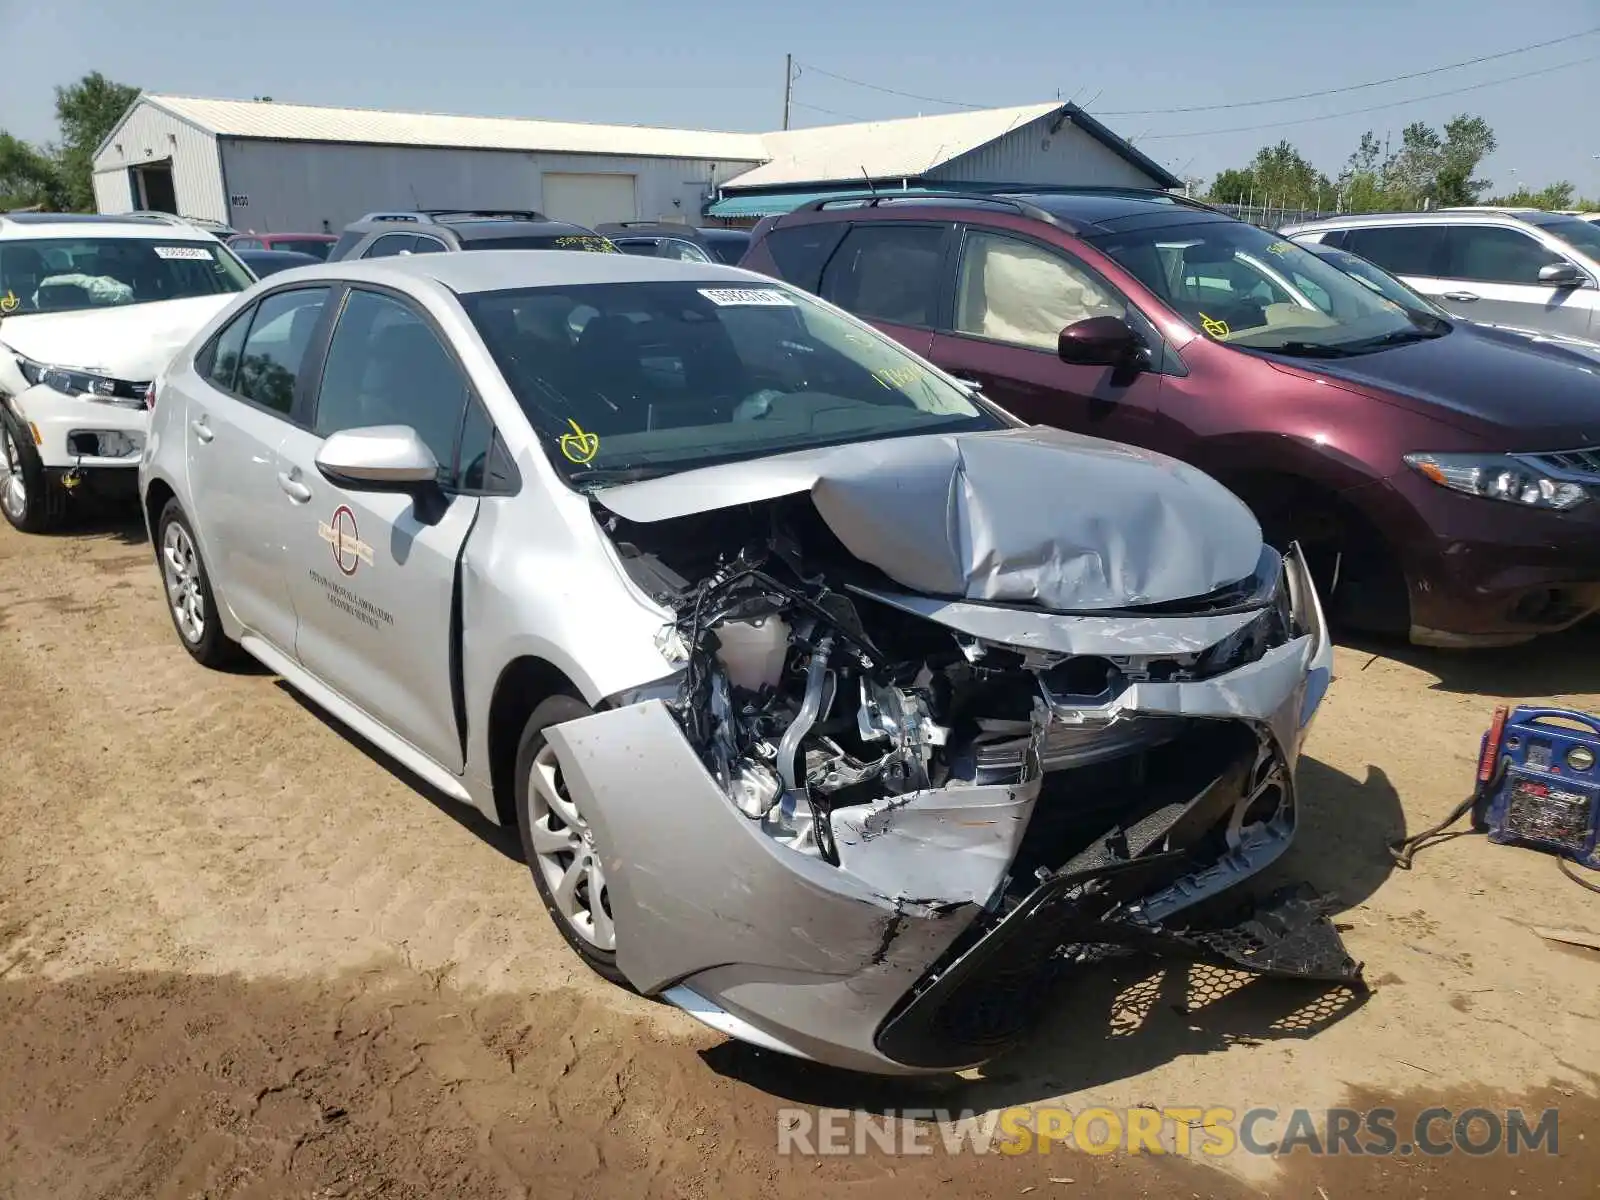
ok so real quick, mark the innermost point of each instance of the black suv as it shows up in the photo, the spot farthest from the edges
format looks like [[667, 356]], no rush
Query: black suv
[[432, 230]]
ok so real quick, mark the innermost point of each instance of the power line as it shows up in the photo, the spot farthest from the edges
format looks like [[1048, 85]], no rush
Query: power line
[[891, 91], [1148, 112], [829, 111], [1354, 87], [1159, 137]]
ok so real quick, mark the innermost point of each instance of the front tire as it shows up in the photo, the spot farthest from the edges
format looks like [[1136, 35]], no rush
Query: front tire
[[30, 500], [558, 844], [190, 601]]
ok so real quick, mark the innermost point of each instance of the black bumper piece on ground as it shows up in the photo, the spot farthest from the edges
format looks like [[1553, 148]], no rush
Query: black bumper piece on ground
[[994, 991]]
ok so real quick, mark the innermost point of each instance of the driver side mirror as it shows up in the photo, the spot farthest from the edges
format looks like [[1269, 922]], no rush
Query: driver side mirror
[[1562, 274], [378, 458], [1099, 342]]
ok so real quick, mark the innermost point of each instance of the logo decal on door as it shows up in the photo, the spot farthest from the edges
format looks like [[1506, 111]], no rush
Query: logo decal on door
[[349, 551]]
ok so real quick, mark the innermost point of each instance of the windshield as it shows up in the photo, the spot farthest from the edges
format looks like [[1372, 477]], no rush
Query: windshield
[[1575, 231], [68, 274], [1239, 284], [1377, 279], [544, 241], [625, 380]]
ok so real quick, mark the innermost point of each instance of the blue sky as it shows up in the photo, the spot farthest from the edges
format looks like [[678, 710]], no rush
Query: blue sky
[[721, 66]]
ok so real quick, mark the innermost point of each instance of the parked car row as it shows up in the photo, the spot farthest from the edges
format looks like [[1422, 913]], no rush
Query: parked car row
[[1441, 476]]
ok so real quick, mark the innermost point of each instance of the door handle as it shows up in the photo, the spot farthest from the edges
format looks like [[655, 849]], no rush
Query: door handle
[[293, 488], [201, 430], [1461, 297]]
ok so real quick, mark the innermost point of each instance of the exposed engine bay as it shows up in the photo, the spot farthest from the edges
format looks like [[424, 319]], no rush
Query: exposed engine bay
[[808, 689]]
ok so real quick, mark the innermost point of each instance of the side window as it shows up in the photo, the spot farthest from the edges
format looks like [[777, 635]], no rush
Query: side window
[[428, 245], [391, 244], [799, 252], [887, 273], [246, 244], [1400, 249], [387, 367], [218, 363], [276, 348], [1490, 254], [1016, 292], [483, 464]]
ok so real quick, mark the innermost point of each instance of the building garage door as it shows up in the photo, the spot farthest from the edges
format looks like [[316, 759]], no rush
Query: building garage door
[[589, 199]]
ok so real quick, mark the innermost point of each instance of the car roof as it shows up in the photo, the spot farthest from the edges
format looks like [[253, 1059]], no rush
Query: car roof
[[299, 237], [1084, 210], [500, 270], [487, 230], [45, 225], [1437, 216]]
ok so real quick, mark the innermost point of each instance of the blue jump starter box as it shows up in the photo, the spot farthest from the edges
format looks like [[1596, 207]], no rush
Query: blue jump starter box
[[1547, 796]]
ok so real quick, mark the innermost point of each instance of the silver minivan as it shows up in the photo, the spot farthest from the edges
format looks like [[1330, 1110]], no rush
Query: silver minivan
[[1517, 267]]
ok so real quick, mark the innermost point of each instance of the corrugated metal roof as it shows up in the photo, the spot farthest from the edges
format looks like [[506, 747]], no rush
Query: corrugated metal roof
[[906, 147], [313, 123]]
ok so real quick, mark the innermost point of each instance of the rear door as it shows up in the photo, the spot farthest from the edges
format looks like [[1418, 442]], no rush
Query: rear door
[[374, 574], [891, 274], [1492, 275], [1013, 297], [253, 369], [1414, 253]]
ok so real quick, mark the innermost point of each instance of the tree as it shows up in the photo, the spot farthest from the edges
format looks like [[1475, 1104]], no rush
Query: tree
[[1556, 196], [1232, 187], [61, 176], [86, 111], [1467, 142]]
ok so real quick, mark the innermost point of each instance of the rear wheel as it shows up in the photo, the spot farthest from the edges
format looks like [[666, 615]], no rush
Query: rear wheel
[[30, 500], [558, 843]]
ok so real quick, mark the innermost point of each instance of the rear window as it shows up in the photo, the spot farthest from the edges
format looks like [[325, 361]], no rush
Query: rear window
[[887, 273], [70, 274], [801, 251]]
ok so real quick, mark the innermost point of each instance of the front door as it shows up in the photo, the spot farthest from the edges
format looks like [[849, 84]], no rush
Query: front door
[[1493, 275], [373, 573], [1013, 298], [237, 420]]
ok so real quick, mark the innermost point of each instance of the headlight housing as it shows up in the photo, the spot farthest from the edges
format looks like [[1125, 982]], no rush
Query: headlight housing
[[86, 384], [1501, 477]]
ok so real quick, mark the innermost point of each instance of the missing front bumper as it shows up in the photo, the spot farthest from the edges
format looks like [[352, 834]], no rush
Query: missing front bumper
[[996, 990]]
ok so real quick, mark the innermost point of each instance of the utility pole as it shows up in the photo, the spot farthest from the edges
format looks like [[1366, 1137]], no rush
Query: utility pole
[[788, 86]]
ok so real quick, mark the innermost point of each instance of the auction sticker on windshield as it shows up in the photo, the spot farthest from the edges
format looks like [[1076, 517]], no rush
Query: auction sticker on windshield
[[201, 253], [724, 297]]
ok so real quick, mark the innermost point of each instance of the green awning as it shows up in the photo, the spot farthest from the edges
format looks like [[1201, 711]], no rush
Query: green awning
[[773, 204]]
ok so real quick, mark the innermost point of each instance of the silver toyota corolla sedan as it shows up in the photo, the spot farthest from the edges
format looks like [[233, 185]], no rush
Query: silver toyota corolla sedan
[[832, 704]]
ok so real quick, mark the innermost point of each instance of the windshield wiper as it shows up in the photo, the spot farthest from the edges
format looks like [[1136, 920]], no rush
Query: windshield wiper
[[606, 475], [1401, 337], [1308, 350]]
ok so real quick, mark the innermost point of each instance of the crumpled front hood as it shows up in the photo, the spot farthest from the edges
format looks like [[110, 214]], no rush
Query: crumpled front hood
[[1021, 516], [130, 341]]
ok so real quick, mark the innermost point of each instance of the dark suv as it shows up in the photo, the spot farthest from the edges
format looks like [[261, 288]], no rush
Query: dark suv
[[435, 230], [1443, 478]]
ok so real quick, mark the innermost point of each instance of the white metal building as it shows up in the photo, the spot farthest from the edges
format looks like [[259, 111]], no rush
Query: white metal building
[[273, 167], [292, 167]]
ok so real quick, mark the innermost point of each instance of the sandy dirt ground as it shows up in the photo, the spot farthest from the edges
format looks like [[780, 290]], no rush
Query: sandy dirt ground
[[242, 956]]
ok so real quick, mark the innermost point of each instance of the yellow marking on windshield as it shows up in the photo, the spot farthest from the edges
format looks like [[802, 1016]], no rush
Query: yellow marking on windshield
[[897, 377], [1280, 247], [9, 302], [1216, 328], [579, 446]]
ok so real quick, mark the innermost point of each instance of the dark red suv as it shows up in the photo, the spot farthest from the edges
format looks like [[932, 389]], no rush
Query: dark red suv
[[1442, 477]]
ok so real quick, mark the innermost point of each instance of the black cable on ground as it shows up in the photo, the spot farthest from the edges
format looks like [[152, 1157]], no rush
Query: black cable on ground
[[1566, 869]]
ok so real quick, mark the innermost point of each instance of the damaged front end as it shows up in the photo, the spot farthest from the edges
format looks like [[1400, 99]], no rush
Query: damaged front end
[[864, 825]]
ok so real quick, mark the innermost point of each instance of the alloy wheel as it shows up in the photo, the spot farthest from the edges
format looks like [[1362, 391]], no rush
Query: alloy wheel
[[13, 488], [180, 568], [567, 857]]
